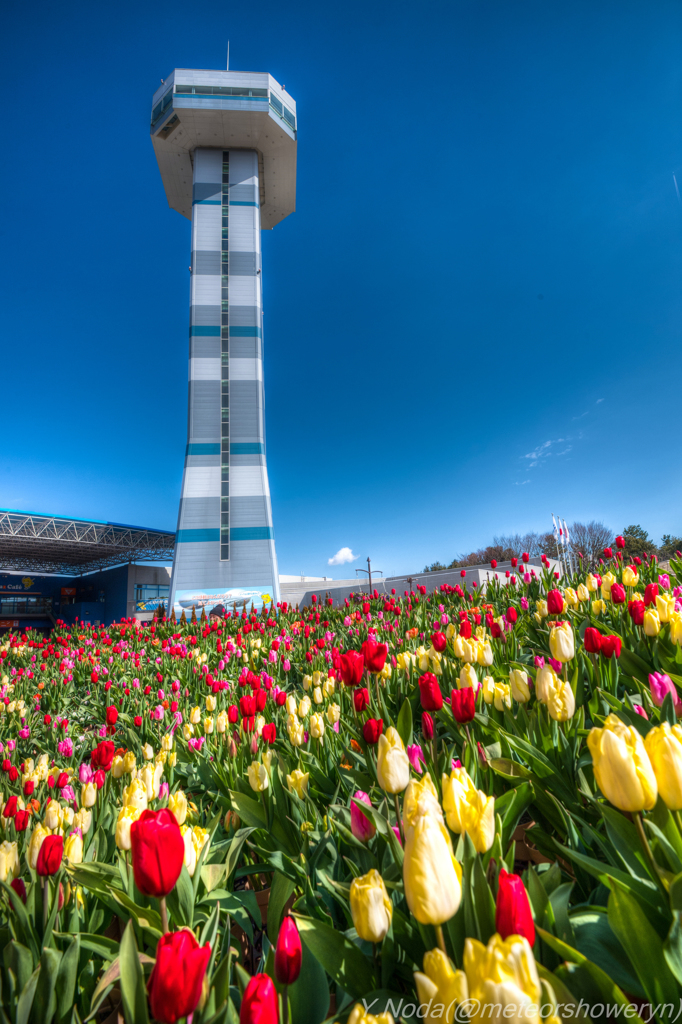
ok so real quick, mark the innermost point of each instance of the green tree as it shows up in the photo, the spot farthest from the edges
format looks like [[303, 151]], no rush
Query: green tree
[[669, 546]]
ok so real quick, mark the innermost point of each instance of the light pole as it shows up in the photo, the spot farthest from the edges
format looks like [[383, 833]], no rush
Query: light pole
[[368, 570]]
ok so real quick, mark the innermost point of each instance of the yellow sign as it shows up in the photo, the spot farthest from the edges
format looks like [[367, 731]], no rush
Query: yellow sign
[[28, 582]]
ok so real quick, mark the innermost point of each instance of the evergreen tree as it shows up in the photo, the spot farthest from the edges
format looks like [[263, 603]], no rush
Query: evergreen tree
[[637, 541], [193, 620], [183, 618]]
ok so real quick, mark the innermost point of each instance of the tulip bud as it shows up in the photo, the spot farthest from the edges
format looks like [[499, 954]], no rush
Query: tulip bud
[[428, 856], [288, 953], [513, 915], [360, 825], [393, 766], [158, 851], [260, 1004], [561, 642], [50, 855], [370, 906]]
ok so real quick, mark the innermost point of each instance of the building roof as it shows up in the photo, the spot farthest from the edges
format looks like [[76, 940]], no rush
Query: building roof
[[34, 542]]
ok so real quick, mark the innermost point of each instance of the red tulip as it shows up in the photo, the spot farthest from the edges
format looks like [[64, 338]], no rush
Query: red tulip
[[361, 699], [618, 594], [465, 629], [495, 630], [511, 614], [269, 732], [512, 913], [375, 655], [429, 692], [372, 730], [555, 602], [98, 778], [233, 712], [176, 981], [439, 642], [158, 851], [352, 667], [611, 645], [21, 819], [593, 640], [10, 808], [427, 726], [493, 562], [13, 773], [636, 610], [525, 556], [463, 704], [288, 953], [19, 887], [650, 593], [514, 562], [138, 720], [50, 855], [608, 553], [620, 542], [112, 715], [103, 755], [260, 1003], [62, 780]]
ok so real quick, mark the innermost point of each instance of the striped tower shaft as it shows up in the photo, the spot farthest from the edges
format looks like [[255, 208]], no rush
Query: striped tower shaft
[[225, 539]]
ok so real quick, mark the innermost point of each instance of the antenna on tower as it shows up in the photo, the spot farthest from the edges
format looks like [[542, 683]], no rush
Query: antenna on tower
[[228, 54]]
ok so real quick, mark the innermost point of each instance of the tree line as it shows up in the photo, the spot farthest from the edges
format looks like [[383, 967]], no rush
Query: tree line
[[586, 539]]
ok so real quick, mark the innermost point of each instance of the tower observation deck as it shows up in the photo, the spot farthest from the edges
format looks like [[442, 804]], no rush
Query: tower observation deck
[[225, 142]]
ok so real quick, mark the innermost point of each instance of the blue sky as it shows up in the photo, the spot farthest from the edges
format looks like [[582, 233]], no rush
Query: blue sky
[[473, 318]]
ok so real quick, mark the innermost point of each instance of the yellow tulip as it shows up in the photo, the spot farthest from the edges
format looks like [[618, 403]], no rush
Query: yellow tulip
[[317, 695], [468, 809], [488, 689], [432, 877], [663, 744], [135, 795], [467, 677], [194, 716], [291, 705], [190, 855], [83, 820], [607, 582], [73, 848], [592, 583], [582, 593], [393, 766], [210, 702], [128, 762], [148, 750], [560, 700], [329, 688], [208, 725], [598, 607], [541, 609], [468, 649], [333, 714], [484, 654], [622, 767], [652, 623], [200, 837], [221, 722], [117, 768], [440, 987], [518, 680], [9, 861], [303, 707], [307, 682], [630, 577], [258, 777], [39, 834], [501, 980], [317, 726], [177, 803], [298, 782], [53, 812], [571, 597], [665, 606], [502, 696], [545, 679], [676, 628], [370, 906], [562, 642], [296, 734]]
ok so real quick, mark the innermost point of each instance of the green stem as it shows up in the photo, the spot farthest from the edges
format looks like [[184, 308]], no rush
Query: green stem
[[164, 915], [285, 1005], [441, 938], [649, 853], [399, 819], [46, 901]]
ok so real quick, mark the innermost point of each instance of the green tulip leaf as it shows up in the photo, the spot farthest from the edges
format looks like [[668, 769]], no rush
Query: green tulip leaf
[[45, 1000], [66, 979], [280, 893], [25, 1001], [404, 724], [133, 990], [642, 945], [672, 947], [342, 960]]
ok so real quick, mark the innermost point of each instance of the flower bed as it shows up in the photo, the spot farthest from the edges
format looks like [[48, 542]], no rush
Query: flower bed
[[445, 807]]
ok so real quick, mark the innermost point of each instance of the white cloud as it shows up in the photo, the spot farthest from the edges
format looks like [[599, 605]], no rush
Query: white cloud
[[520, 483], [543, 451], [598, 401], [341, 556]]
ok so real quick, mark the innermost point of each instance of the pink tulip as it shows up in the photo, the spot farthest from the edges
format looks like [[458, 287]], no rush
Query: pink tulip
[[660, 685], [415, 755], [360, 825]]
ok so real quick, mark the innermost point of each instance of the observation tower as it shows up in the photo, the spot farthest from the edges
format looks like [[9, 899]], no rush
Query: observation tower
[[225, 142]]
